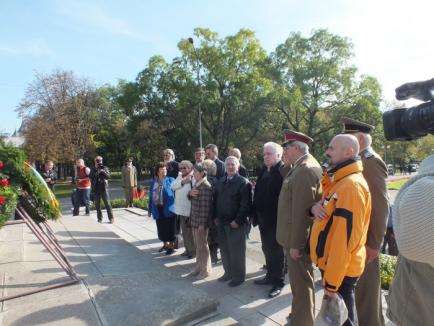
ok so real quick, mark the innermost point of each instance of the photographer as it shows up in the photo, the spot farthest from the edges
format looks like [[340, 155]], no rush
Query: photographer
[[99, 176]]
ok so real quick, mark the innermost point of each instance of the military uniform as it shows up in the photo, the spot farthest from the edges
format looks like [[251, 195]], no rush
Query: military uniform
[[300, 190], [368, 290]]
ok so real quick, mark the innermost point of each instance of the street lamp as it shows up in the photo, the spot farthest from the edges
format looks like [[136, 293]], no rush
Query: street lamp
[[190, 40]]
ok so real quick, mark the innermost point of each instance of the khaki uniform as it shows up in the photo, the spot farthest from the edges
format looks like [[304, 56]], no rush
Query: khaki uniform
[[300, 190], [368, 290]]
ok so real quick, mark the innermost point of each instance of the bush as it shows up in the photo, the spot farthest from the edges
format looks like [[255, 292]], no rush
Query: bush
[[387, 270], [121, 202]]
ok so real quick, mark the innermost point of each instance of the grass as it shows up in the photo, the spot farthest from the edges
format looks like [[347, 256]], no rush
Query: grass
[[396, 185], [63, 189]]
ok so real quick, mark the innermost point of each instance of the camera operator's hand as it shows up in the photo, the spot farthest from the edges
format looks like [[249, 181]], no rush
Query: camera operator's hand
[[371, 254]]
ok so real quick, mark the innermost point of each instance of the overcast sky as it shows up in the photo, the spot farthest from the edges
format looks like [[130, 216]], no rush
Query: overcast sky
[[110, 40]]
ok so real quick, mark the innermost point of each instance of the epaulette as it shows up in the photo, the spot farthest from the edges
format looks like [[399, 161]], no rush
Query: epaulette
[[368, 154]]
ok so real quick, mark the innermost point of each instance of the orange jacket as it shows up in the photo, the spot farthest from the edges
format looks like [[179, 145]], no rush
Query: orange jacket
[[337, 243]]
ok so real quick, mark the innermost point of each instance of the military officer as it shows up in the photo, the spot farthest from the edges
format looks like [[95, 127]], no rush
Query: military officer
[[300, 190], [368, 289]]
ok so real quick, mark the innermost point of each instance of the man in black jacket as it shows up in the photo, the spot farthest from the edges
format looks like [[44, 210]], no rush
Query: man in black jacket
[[265, 202], [49, 175], [232, 205], [99, 176]]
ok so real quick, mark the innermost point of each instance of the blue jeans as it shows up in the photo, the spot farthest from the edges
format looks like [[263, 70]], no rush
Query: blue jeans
[[81, 198]]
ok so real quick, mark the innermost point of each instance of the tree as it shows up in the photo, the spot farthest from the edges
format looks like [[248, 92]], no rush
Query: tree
[[59, 111], [315, 86]]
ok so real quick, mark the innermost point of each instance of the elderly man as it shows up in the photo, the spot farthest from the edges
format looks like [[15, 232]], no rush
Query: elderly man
[[129, 181], [232, 206], [237, 153], [300, 190], [49, 175], [172, 165], [368, 290], [212, 153], [340, 227], [265, 200]]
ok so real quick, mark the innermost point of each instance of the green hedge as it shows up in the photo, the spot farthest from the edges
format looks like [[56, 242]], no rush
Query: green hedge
[[121, 202], [387, 270]]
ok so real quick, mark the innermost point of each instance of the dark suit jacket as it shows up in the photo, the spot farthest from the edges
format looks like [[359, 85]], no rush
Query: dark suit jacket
[[220, 168]]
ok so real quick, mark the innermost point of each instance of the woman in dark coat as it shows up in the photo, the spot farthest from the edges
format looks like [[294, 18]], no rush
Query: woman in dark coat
[[162, 207]]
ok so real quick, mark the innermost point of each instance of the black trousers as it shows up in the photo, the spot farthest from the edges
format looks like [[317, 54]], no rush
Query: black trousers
[[97, 196], [347, 291], [274, 254]]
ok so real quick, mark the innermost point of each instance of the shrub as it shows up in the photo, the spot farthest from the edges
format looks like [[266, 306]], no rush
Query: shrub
[[387, 270], [121, 202]]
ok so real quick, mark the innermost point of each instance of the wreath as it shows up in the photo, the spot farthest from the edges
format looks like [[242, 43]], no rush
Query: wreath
[[21, 184]]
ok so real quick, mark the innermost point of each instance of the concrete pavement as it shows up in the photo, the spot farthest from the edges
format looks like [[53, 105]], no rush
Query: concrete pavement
[[125, 281]]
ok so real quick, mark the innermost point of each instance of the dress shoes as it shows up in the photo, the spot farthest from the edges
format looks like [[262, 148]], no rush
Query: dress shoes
[[185, 254], [233, 283], [224, 278], [262, 281], [275, 291]]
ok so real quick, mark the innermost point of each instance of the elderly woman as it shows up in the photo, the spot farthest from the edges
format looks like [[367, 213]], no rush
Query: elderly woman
[[162, 207], [181, 186], [200, 220], [213, 244]]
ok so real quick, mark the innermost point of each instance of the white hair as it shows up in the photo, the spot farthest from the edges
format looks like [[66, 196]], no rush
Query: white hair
[[276, 148], [303, 147], [367, 139], [232, 158]]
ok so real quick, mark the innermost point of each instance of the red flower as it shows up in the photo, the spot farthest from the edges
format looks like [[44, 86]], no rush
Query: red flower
[[4, 183], [1, 164], [2, 200]]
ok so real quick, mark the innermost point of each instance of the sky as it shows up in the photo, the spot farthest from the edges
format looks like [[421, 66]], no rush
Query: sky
[[105, 41]]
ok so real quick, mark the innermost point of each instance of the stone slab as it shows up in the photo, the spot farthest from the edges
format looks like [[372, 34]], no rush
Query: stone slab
[[148, 299]]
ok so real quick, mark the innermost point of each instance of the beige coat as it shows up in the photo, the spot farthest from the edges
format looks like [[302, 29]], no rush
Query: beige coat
[[375, 174], [129, 177], [300, 190]]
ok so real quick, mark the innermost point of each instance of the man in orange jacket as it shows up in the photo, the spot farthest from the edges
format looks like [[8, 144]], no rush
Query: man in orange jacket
[[339, 231]]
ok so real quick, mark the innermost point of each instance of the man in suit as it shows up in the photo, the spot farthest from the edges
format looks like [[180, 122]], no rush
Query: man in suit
[[172, 165], [300, 189], [368, 289], [212, 153], [265, 201]]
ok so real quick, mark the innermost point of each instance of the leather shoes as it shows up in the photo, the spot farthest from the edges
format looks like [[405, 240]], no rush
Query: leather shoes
[[275, 291], [262, 281], [224, 278], [235, 283]]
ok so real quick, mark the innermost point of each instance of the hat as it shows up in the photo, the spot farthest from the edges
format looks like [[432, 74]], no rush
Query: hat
[[291, 136], [352, 126], [199, 167]]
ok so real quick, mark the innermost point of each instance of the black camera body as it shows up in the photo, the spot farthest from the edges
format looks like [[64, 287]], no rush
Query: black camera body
[[415, 122]]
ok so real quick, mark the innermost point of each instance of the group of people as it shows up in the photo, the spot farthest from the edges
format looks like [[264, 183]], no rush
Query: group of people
[[332, 216]]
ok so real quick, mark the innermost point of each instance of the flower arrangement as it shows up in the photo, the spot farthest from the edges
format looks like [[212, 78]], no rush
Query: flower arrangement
[[21, 183]]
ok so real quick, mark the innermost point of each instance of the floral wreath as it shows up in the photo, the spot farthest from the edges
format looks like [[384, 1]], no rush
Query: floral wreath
[[21, 184]]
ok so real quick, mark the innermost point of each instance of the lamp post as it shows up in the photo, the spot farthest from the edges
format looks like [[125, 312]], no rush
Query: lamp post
[[190, 40]]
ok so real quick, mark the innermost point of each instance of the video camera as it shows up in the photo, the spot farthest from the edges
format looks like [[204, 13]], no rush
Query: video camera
[[414, 122]]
